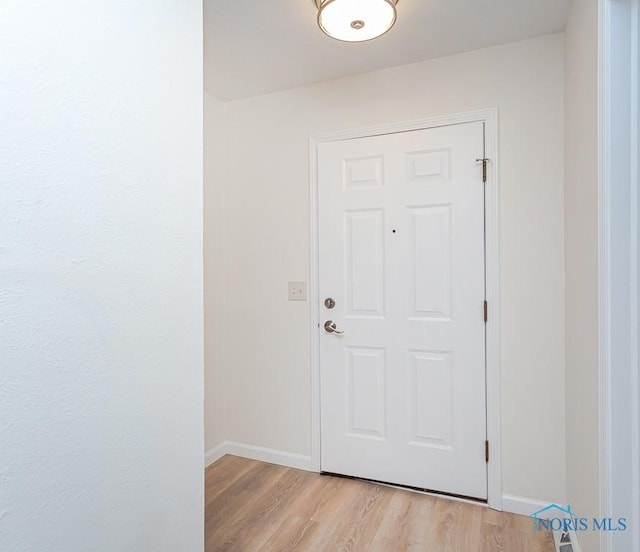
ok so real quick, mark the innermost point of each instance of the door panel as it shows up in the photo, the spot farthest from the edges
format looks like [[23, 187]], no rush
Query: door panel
[[366, 392], [364, 263], [431, 407], [430, 234], [401, 251]]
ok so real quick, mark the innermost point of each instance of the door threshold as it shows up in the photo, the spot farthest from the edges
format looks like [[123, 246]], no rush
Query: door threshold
[[418, 490]]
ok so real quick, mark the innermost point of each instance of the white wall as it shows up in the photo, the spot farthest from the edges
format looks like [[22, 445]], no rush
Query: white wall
[[266, 342], [215, 299], [581, 261], [101, 276], [620, 283]]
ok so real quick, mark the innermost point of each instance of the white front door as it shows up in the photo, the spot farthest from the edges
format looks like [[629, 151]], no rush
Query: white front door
[[401, 256]]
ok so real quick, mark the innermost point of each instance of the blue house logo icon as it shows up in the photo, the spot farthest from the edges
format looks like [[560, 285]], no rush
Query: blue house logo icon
[[561, 519], [554, 517], [556, 509]]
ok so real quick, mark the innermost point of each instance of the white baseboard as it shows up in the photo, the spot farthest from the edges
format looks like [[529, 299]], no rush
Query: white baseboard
[[214, 454], [522, 505], [272, 456]]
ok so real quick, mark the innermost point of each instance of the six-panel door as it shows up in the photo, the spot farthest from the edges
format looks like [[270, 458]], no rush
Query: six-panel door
[[401, 251]]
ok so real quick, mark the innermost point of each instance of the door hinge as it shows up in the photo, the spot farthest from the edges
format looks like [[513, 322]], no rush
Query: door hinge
[[486, 451], [486, 311], [484, 161]]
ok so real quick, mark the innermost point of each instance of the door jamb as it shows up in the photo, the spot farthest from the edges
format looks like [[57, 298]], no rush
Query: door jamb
[[490, 119]]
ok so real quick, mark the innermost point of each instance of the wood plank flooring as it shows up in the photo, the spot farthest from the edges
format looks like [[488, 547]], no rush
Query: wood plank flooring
[[252, 507]]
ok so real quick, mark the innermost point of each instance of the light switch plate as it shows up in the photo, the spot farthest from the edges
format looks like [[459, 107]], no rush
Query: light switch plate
[[297, 291]]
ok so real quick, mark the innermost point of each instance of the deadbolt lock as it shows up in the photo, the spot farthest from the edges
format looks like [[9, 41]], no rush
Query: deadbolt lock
[[329, 303]]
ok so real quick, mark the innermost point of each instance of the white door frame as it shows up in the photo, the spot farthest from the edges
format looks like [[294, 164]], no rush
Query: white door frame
[[618, 267], [490, 119]]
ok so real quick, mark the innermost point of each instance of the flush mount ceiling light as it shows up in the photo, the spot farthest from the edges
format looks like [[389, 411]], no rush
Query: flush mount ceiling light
[[356, 20]]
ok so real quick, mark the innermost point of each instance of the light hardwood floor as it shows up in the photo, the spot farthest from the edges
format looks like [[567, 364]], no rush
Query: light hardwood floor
[[252, 506]]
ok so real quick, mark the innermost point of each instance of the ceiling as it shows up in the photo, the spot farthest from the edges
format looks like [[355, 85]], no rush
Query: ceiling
[[254, 47]]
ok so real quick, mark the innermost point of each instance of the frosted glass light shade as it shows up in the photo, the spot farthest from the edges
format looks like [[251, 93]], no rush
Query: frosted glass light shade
[[356, 20]]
